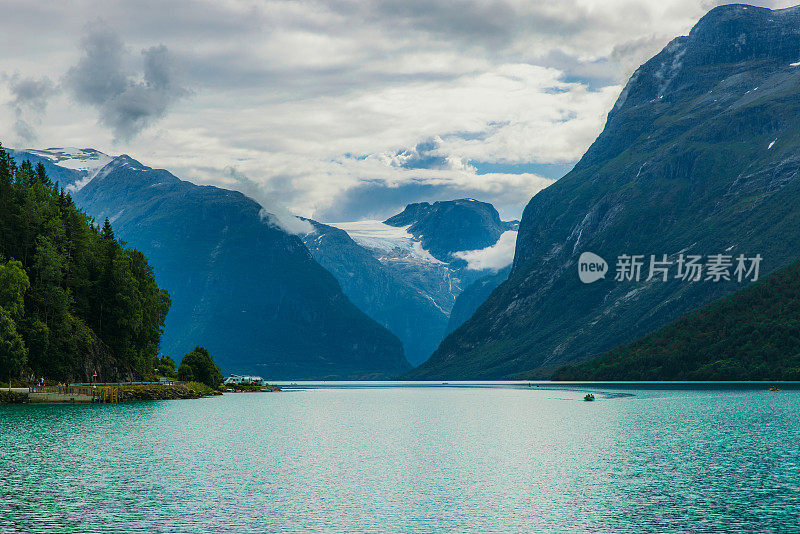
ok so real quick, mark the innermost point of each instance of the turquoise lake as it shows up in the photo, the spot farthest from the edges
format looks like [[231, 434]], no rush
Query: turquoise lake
[[504, 458]]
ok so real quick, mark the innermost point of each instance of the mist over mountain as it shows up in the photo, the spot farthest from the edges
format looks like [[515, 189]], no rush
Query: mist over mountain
[[700, 155]]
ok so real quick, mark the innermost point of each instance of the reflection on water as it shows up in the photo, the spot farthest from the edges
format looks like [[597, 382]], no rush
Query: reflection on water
[[505, 459]]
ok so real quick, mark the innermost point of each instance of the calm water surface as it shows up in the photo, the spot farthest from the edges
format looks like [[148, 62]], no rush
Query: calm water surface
[[407, 460]]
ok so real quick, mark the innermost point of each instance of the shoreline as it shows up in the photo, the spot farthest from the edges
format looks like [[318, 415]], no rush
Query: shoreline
[[112, 394]]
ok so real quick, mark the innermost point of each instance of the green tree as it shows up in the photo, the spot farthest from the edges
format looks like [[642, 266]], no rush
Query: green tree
[[185, 373], [13, 354], [13, 285], [203, 367], [166, 366]]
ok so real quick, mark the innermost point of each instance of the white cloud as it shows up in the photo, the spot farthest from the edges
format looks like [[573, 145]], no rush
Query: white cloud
[[271, 210], [311, 99], [494, 258]]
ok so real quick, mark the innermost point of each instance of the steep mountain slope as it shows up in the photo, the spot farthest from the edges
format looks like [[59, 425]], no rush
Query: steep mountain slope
[[473, 296], [243, 288], [698, 156], [753, 334], [410, 315]]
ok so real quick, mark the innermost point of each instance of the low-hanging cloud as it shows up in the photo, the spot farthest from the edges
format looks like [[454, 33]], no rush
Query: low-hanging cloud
[[271, 210], [30, 96], [127, 101], [493, 258]]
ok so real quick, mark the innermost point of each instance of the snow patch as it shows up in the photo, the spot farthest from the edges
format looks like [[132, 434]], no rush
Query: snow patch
[[78, 159], [385, 239], [86, 160]]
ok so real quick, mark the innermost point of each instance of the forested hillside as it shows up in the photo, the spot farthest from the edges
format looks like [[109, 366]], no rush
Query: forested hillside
[[73, 299], [753, 334]]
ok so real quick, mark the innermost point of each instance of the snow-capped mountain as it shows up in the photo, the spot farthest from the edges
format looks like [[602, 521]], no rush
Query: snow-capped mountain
[[79, 159], [408, 271], [72, 167], [437, 248], [387, 242], [405, 273]]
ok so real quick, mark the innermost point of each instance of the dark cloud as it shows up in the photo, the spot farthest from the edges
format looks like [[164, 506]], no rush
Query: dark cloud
[[127, 102], [29, 103]]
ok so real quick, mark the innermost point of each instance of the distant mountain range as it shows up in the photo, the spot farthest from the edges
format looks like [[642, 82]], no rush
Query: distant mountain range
[[406, 272], [700, 155], [262, 300]]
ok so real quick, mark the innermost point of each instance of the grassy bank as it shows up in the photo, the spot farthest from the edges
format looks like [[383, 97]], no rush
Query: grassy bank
[[141, 392], [189, 390]]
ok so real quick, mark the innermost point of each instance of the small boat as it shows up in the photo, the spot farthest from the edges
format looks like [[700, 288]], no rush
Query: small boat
[[588, 397], [774, 388]]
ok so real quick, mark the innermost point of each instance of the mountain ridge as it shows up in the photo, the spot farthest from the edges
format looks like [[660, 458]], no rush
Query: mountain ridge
[[699, 155]]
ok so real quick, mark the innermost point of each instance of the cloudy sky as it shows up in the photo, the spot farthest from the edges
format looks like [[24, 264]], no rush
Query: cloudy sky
[[338, 110]]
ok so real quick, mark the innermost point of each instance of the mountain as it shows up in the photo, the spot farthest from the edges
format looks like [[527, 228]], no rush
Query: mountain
[[475, 294], [699, 156], [753, 334], [241, 286], [72, 168], [450, 226], [385, 271], [408, 313], [388, 272]]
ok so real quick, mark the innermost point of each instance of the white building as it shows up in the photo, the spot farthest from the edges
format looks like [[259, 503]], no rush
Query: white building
[[246, 380]]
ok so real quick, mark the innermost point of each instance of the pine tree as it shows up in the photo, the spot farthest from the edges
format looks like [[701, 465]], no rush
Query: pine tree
[[67, 287]]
